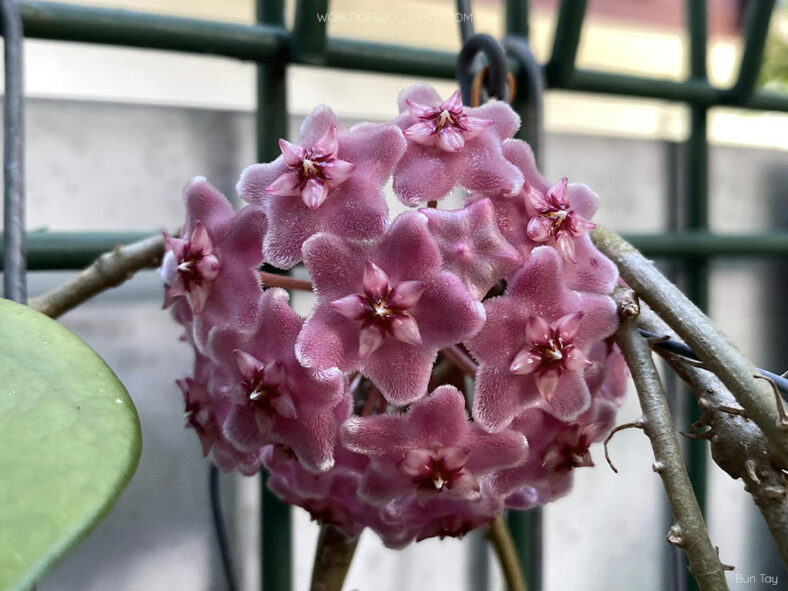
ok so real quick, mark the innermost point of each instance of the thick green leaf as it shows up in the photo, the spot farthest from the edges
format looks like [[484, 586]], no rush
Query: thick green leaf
[[69, 442]]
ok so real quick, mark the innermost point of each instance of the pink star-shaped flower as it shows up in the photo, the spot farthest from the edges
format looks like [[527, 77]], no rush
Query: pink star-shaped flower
[[557, 448], [331, 181], [215, 262], [443, 516], [472, 246], [385, 308], [276, 399], [206, 411], [189, 267], [541, 214], [450, 145], [446, 126], [533, 347], [431, 450]]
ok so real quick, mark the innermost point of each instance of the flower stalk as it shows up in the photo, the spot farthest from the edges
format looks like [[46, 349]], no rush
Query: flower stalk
[[689, 530], [738, 446], [109, 270], [699, 332], [332, 560], [502, 541]]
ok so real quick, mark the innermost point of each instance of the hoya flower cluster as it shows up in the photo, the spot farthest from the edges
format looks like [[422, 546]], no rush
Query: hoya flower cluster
[[351, 410]]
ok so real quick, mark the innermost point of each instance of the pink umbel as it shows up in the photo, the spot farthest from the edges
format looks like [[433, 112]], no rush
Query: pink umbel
[[354, 411]]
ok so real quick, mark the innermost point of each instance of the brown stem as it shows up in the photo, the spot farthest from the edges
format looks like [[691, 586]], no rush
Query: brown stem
[[689, 530], [461, 359], [109, 270], [700, 333], [284, 281], [504, 547], [737, 444], [332, 559]]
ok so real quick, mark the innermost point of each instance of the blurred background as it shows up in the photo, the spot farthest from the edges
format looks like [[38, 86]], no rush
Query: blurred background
[[113, 134]]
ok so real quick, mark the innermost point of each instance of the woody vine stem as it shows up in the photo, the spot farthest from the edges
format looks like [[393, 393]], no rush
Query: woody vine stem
[[717, 355]]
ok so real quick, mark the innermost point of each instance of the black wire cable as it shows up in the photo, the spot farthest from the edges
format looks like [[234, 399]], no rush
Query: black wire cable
[[220, 528], [680, 348]]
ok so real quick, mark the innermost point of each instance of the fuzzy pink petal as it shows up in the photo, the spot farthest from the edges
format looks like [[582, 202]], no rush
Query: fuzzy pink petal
[[377, 488], [317, 124], [328, 340], [593, 271], [205, 204], [420, 177], [600, 319], [493, 451], [335, 265], [582, 200], [484, 168], [473, 126], [439, 418], [423, 94], [311, 436], [374, 148], [447, 313], [397, 386], [505, 121], [244, 238], [520, 154], [375, 435], [540, 283], [570, 398], [496, 397], [502, 335], [254, 179], [240, 429], [291, 223], [408, 251]]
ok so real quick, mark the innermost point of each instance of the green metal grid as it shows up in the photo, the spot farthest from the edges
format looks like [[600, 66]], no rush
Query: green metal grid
[[272, 46]]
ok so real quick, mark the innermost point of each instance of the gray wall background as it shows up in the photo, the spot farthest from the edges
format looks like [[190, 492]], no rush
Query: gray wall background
[[100, 166]]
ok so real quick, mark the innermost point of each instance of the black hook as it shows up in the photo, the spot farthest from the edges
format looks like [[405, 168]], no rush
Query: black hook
[[530, 93], [495, 83]]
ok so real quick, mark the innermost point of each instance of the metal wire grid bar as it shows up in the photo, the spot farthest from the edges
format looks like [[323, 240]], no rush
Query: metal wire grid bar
[[273, 47]]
